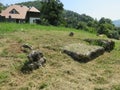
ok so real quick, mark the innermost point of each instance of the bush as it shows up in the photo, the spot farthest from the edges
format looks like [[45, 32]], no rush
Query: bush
[[106, 27], [44, 22], [114, 35]]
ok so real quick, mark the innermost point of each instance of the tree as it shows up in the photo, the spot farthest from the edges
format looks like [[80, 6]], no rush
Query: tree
[[105, 20], [52, 11], [82, 25], [1, 7], [36, 4], [106, 27]]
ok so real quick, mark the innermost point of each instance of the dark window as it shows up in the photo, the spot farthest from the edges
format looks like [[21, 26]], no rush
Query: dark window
[[13, 12]]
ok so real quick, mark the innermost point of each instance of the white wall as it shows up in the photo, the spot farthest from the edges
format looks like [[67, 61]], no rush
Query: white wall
[[33, 20]]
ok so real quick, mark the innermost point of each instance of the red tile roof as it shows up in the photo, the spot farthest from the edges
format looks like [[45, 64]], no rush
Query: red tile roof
[[33, 9], [22, 11]]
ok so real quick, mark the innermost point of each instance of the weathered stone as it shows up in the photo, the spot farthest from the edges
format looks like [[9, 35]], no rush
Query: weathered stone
[[35, 56], [26, 48], [83, 52], [108, 45], [71, 34], [36, 60]]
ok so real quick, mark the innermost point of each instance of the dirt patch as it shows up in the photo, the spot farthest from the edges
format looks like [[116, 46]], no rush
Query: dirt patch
[[14, 48]]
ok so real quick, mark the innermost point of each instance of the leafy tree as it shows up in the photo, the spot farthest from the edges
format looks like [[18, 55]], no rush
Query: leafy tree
[[1, 7], [105, 20], [82, 22], [52, 11], [82, 25], [106, 27]]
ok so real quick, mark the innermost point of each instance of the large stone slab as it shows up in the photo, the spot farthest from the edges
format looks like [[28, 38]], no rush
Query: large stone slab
[[108, 45], [83, 52]]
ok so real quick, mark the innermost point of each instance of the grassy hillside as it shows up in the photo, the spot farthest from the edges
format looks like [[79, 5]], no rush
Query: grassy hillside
[[60, 72]]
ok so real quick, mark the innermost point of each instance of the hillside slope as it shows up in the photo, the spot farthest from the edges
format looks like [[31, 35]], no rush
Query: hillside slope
[[61, 72]]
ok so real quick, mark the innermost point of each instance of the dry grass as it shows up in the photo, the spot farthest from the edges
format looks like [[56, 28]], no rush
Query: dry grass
[[60, 72]]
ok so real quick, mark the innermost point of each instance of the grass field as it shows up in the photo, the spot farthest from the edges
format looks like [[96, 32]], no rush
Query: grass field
[[60, 72]]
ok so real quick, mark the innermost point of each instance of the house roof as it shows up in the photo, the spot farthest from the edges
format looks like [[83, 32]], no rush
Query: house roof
[[33, 9], [22, 11]]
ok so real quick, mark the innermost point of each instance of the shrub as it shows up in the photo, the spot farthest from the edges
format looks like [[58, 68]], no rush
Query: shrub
[[114, 34]]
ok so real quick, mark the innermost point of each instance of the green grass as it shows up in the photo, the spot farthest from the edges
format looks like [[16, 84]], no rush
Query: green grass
[[3, 77], [60, 72], [11, 27], [116, 87]]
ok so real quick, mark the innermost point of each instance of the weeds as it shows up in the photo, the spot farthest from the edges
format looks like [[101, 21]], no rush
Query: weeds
[[4, 53], [43, 86], [24, 88], [101, 80], [116, 87], [3, 77]]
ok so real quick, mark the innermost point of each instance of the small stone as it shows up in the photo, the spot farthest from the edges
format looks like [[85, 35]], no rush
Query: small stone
[[71, 34]]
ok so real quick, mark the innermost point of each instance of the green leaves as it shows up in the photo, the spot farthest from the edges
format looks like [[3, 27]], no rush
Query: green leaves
[[106, 27], [52, 11]]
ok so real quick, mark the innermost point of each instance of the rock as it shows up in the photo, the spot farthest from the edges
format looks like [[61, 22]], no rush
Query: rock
[[26, 48], [83, 52], [108, 45], [36, 60], [35, 56], [71, 34]]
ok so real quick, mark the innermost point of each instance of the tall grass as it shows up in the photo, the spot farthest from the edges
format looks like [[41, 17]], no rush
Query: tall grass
[[11, 27]]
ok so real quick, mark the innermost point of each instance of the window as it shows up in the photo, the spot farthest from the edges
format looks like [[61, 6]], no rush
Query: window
[[13, 12]]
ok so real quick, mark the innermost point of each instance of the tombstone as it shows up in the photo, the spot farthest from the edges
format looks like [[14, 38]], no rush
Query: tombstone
[[36, 59]]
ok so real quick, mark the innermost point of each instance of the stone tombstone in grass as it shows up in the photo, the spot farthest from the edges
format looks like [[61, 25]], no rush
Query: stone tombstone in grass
[[71, 34], [36, 59]]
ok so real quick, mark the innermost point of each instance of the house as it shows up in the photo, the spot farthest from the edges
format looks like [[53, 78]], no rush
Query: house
[[21, 14]]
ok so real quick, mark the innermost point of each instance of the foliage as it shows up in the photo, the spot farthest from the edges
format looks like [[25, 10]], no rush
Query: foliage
[[3, 76], [116, 87], [81, 25], [44, 85], [52, 11], [75, 20], [1, 7], [106, 27], [35, 3]]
